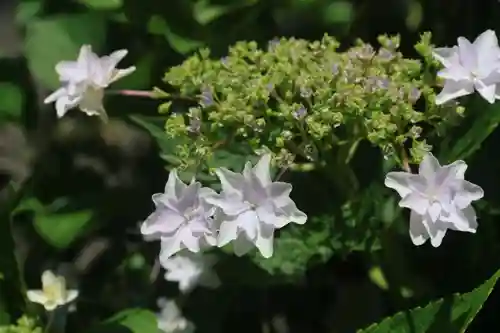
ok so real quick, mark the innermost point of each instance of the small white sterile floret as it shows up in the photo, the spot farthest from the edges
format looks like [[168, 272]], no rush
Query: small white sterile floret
[[251, 206], [182, 219], [53, 293], [439, 199], [470, 66], [84, 81]]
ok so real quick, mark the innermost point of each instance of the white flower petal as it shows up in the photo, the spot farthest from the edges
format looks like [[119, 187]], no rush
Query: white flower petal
[[418, 233], [467, 53], [36, 296], [488, 52], [49, 278], [227, 233], [174, 187], [486, 91], [280, 193], [262, 170], [61, 92], [170, 245], [454, 89], [230, 204], [50, 305], [231, 182], [467, 193], [434, 211], [436, 230], [71, 295], [428, 166], [416, 202], [66, 103], [264, 241], [191, 242], [242, 245], [445, 54], [121, 73], [162, 221], [71, 71], [249, 222], [401, 182]]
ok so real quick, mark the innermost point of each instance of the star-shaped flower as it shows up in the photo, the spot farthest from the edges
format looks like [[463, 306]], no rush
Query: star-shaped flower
[[470, 66], [190, 269], [84, 81], [53, 293], [182, 219], [439, 199], [252, 206]]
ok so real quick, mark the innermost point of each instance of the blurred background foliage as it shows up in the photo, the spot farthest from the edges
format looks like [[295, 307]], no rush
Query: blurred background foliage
[[91, 183]]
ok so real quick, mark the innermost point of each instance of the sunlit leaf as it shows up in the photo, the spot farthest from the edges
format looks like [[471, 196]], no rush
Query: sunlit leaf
[[451, 315]]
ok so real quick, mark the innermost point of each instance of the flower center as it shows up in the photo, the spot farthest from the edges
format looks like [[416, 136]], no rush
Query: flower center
[[191, 213]]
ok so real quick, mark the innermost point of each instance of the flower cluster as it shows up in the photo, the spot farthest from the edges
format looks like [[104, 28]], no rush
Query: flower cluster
[[250, 207], [302, 98], [84, 81]]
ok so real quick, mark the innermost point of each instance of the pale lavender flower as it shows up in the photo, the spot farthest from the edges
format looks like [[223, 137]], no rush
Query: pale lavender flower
[[439, 199], [385, 54], [182, 219], [300, 113], [271, 45], [207, 98], [414, 95], [252, 206], [470, 66]]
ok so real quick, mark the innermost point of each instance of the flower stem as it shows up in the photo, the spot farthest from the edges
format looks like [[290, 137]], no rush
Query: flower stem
[[135, 93]]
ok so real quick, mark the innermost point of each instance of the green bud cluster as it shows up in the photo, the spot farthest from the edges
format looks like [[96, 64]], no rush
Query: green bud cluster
[[23, 325], [301, 98]]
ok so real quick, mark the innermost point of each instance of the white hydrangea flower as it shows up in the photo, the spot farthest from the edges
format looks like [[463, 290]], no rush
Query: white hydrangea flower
[[470, 66], [190, 270], [252, 206], [84, 81], [53, 293], [182, 219], [170, 319], [439, 199]]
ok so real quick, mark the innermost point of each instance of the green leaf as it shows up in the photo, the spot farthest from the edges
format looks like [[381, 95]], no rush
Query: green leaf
[[482, 126], [451, 314], [183, 45], [155, 127], [53, 39], [61, 229], [339, 12], [205, 13], [103, 4], [12, 101], [27, 10], [130, 320], [12, 288]]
